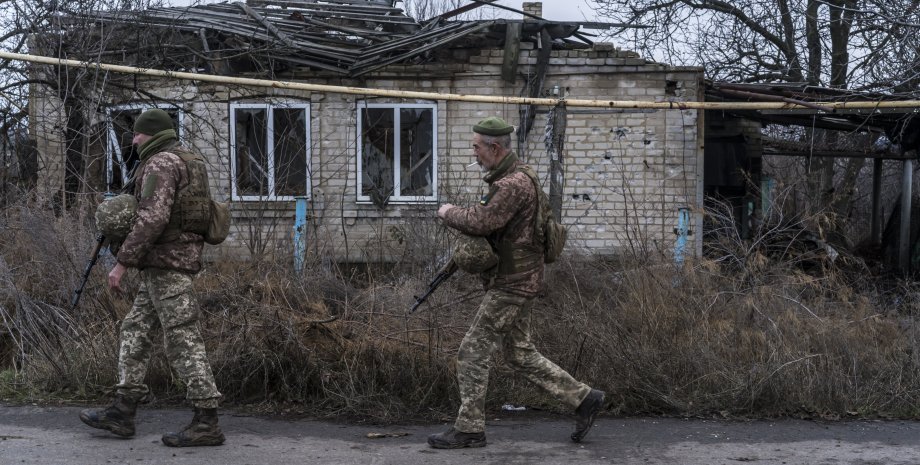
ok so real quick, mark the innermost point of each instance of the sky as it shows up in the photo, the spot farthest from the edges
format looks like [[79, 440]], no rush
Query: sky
[[557, 10]]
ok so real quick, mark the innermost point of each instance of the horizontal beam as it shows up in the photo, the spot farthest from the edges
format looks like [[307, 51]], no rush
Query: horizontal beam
[[672, 105], [837, 154]]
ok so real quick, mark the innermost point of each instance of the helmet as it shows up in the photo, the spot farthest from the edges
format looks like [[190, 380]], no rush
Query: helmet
[[474, 254], [115, 216]]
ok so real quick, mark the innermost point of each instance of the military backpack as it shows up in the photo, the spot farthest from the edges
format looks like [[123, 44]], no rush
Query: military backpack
[[547, 231], [194, 210]]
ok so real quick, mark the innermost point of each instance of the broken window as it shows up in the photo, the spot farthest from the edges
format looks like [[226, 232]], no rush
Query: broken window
[[270, 150], [397, 145], [121, 155]]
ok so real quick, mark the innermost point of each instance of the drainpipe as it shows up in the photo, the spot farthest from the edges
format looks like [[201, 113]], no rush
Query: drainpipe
[[682, 231], [300, 232]]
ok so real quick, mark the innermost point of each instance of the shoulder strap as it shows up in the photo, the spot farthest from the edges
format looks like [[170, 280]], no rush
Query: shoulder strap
[[541, 204]]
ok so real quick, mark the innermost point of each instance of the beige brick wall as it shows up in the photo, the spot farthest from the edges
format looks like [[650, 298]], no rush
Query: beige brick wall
[[626, 171]]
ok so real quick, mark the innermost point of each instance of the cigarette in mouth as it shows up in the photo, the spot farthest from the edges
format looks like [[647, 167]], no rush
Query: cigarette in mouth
[[472, 164]]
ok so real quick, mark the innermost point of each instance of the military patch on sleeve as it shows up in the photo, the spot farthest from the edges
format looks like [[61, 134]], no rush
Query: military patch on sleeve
[[150, 185], [485, 198]]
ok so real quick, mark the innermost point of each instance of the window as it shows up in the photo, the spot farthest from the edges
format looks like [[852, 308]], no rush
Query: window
[[398, 153], [270, 150], [121, 156]]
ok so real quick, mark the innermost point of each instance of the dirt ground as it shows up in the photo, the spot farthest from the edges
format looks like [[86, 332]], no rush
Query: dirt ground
[[54, 435]]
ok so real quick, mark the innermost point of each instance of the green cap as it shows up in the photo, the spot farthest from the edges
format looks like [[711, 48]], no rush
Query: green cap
[[493, 126], [153, 121]]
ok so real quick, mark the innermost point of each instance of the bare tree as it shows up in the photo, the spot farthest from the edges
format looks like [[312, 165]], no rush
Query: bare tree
[[866, 45]]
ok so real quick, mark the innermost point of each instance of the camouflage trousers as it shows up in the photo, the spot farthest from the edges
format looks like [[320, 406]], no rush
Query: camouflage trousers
[[165, 300], [503, 321]]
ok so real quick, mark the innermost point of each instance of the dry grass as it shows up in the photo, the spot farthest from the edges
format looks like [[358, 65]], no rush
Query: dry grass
[[741, 333]]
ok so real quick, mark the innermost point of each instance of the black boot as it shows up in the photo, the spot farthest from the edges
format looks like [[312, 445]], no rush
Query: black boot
[[117, 418], [586, 412], [453, 439], [202, 431]]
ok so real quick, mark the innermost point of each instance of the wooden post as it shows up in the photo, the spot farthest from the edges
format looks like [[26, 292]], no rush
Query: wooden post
[[556, 159], [512, 52]]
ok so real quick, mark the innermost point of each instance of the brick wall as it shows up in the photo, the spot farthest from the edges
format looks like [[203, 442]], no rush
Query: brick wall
[[627, 171]]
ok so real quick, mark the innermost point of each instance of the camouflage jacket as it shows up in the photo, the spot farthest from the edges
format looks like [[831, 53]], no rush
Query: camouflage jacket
[[506, 214], [158, 179]]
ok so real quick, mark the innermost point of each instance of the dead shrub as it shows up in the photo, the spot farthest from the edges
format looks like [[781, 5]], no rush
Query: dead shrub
[[743, 332]]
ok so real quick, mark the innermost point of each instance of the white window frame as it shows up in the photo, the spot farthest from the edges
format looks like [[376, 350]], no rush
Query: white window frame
[[113, 148], [397, 187], [270, 146]]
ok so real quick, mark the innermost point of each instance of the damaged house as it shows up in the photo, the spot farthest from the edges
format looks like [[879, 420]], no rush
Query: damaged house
[[370, 171]]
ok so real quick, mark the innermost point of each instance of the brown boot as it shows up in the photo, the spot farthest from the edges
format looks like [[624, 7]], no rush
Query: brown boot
[[202, 431], [117, 418]]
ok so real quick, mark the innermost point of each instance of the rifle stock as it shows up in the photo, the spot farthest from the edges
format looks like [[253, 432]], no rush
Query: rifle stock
[[439, 279], [89, 267]]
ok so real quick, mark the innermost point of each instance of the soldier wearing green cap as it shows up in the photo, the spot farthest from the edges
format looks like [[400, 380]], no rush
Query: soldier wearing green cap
[[506, 217], [165, 247]]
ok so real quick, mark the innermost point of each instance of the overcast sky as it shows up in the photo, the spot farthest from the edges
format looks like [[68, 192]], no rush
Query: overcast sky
[[557, 10]]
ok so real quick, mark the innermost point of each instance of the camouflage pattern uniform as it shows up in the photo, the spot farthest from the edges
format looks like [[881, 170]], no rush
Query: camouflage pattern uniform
[[506, 216], [165, 298]]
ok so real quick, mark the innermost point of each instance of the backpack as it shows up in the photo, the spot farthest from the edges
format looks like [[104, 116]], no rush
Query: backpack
[[547, 230], [219, 226], [194, 210]]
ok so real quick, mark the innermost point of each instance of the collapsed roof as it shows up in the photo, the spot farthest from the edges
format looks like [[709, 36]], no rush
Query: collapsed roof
[[346, 37], [900, 125]]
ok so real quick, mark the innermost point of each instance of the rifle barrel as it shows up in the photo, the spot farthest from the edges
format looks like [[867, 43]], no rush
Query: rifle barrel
[[89, 268]]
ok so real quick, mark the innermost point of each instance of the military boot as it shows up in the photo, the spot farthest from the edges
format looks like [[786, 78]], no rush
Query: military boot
[[117, 418], [202, 431], [586, 412], [453, 439]]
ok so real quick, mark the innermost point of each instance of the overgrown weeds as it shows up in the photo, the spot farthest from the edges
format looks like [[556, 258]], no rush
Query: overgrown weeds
[[744, 332]]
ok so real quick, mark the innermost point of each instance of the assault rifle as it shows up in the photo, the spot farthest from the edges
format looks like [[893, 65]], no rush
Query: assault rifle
[[449, 269], [89, 267]]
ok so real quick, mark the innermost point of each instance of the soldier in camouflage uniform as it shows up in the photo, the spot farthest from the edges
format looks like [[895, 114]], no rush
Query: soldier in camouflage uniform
[[506, 217], [167, 260]]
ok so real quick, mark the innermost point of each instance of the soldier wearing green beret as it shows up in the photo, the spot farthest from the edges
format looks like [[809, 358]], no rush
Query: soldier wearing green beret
[[164, 242], [507, 217]]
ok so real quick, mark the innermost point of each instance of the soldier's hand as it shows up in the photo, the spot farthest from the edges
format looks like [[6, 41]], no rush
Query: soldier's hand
[[444, 209], [115, 276]]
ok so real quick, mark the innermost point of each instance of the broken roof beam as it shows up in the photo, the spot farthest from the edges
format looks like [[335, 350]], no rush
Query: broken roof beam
[[363, 5], [394, 44], [268, 25], [366, 67]]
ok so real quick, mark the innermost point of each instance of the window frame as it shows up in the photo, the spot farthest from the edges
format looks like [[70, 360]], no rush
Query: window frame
[[270, 144], [112, 147], [397, 159]]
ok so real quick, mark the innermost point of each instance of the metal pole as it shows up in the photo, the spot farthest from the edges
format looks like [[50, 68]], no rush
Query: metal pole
[[876, 233], [364, 91], [683, 231], [300, 232], [904, 236]]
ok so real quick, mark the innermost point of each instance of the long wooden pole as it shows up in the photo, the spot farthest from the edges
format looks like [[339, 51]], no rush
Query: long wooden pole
[[453, 97]]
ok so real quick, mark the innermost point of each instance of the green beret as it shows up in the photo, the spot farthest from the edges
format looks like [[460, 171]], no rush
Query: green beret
[[153, 121], [493, 126]]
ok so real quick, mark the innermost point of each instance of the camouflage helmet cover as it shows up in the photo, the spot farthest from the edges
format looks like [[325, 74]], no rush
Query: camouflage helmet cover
[[474, 254], [115, 216]]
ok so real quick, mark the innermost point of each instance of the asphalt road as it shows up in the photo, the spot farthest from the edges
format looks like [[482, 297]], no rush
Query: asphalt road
[[55, 435]]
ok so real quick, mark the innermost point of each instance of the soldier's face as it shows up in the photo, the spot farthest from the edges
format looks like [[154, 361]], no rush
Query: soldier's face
[[486, 154], [139, 139]]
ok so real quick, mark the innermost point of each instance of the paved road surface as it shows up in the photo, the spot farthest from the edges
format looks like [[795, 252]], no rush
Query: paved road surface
[[54, 435]]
